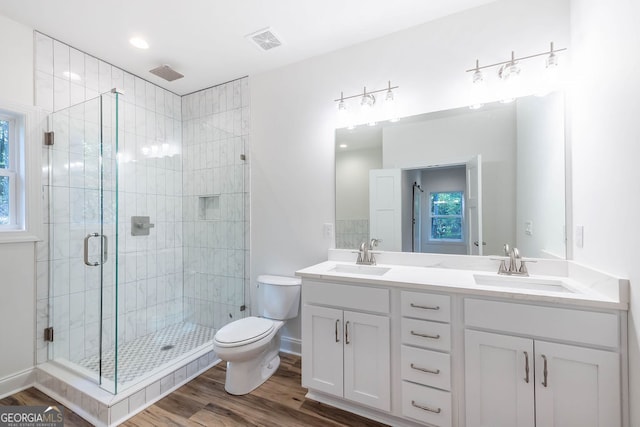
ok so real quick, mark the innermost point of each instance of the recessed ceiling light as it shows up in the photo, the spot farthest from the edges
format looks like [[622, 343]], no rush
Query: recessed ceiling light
[[139, 42]]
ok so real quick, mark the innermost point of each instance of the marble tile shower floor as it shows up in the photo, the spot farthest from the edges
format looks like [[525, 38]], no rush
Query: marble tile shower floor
[[142, 355]]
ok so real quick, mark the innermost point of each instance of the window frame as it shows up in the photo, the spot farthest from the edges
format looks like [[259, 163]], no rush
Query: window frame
[[435, 240], [26, 163]]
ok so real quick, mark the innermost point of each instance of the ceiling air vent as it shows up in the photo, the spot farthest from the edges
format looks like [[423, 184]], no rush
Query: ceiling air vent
[[167, 73], [265, 39]]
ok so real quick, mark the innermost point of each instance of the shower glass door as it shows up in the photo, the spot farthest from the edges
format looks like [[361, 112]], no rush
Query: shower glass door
[[83, 238]]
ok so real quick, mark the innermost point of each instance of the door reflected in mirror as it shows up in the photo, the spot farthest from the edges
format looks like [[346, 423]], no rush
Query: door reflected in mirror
[[503, 165]]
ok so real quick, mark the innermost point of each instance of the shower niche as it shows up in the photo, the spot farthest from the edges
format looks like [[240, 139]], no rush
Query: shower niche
[[209, 208]]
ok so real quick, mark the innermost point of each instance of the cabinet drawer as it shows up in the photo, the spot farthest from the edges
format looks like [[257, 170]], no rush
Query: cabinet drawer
[[587, 327], [423, 333], [426, 306], [361, 298], [426, 367], [426, 404]]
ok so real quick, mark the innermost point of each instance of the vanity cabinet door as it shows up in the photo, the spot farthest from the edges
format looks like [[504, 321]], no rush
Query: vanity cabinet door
[[499, 391], [367, 364], [581, 386], [322, 331]]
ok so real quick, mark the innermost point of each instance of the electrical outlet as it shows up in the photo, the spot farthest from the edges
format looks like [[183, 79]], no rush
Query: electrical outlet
[[327, 230], [528, 228]]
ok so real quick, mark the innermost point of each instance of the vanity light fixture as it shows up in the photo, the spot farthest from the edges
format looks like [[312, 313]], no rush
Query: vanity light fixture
[[510, 70], [367, 103]]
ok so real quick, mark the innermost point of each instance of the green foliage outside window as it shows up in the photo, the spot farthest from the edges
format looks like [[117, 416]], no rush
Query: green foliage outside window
[[446, 216]]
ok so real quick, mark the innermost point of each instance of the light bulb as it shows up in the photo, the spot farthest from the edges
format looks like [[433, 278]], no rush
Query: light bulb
[[477, 77], [389, 96], [367, 101]]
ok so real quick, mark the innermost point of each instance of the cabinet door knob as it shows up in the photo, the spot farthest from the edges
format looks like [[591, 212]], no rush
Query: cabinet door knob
[[526, 367], [346, 332], [545, 372], [425, 408]]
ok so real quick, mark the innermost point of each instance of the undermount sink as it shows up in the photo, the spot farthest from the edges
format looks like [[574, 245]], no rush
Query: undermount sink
[[369, 270], [515, 282]]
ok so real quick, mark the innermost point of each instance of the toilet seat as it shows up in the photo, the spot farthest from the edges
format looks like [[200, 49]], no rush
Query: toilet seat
[[244, 331]]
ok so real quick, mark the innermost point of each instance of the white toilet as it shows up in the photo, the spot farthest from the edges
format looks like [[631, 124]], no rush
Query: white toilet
[[251, 345]]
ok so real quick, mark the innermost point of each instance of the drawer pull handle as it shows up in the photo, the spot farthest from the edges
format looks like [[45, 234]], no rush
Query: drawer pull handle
[[425, 307], [425, 408], [418, 334], [545, 372], [526, 367], [337, 322], [429, 371]]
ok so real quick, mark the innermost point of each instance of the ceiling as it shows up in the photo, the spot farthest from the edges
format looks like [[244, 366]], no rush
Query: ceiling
[[205, 39]]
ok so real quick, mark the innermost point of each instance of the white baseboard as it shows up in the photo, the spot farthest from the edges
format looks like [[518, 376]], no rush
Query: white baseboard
[[291, 345], [17, 382]]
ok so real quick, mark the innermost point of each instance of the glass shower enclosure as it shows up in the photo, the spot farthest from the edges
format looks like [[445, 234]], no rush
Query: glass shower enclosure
[[148, 230], [83, 217]]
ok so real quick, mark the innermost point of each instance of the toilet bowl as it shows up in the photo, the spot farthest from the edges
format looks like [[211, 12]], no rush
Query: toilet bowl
[[250, 346]]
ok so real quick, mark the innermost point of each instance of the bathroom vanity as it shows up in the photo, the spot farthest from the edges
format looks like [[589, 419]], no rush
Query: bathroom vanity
[[443, 340]]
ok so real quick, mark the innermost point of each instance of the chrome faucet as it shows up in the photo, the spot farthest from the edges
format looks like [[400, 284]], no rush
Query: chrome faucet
[[365, 256], [514, 260]]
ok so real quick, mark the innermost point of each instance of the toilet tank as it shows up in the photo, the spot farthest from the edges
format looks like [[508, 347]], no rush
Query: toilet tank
[[278, 297]]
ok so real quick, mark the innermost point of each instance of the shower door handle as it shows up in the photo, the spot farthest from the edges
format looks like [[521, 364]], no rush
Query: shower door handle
[[105, 243]]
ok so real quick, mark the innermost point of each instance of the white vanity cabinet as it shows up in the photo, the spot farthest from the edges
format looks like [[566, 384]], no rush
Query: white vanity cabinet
[[425, 357], [527, 381], [346, 353], [412, 347]]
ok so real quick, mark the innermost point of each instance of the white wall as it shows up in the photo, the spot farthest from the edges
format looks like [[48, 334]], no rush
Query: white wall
[[293, 115], [541, 176], [17, 260], [16, 73], [606, 147]]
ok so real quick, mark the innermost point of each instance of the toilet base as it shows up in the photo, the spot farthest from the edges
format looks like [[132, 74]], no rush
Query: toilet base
[[244, 377]]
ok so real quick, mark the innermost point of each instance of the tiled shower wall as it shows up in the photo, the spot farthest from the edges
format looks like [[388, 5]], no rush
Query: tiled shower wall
[[150, 273], [216, 202], [351, 232]]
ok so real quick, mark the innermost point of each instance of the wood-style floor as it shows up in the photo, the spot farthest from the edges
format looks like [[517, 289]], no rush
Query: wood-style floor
[[204, 402]]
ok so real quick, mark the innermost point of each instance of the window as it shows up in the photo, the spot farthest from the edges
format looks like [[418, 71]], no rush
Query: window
[[446, 215], [8, 177], [20, 171]]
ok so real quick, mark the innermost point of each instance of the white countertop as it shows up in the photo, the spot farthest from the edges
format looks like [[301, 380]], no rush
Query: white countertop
[[586, 289]]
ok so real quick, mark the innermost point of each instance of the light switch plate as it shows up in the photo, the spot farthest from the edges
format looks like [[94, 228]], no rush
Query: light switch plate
[[327, 230], [579, 236]]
